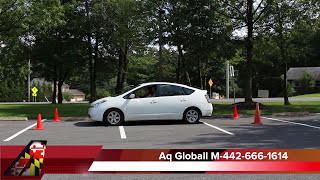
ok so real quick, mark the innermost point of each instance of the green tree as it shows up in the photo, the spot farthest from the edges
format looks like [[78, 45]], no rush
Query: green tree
[[20, 21], [246, 14], [129, 23], [291, 25]]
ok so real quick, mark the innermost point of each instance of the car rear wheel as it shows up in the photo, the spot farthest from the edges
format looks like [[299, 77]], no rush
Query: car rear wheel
[[192, 116], [113, 117]]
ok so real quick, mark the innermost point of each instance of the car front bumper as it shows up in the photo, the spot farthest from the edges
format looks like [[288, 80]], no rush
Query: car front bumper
[[95, 114]]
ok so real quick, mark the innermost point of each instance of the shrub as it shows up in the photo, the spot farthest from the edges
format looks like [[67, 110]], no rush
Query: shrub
[[291, 90], [307, 81], [67, 96]]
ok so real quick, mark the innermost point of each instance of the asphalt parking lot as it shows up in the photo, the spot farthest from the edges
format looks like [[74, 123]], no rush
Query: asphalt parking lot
[[275, 132]]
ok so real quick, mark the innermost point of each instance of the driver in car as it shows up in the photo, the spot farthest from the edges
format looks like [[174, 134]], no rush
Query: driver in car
[[149, 92]]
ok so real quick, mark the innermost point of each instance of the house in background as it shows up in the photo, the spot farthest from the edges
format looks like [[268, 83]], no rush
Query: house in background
[[78, 95], [294, 74]]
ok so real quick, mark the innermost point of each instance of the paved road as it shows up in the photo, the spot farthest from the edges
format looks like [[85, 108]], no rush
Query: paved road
[[174, 134], [285, 133], [278, 99]]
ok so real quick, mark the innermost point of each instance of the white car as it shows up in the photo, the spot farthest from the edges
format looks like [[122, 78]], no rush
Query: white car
[[153, 101]]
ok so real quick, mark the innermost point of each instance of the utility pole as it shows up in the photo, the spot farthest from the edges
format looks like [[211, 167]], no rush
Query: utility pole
[[227, 79], [29, 80], [161, 12]]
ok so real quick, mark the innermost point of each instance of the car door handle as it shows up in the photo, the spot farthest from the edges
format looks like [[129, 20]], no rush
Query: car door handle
[[153, 102]]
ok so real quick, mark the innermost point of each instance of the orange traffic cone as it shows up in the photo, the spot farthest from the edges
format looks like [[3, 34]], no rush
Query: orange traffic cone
[[56, 116], [235, 113], [39, 123], [257, 119]]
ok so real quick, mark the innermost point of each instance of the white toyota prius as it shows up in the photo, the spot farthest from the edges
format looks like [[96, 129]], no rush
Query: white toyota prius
[[153, 101]]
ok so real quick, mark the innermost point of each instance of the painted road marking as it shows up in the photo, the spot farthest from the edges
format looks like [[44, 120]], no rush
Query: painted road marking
[[22, 131], [230, 133], [122, 132], [292, 122]]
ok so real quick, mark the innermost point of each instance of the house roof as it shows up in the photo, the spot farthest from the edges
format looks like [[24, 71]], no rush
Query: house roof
[[76, 92], [296, 73]]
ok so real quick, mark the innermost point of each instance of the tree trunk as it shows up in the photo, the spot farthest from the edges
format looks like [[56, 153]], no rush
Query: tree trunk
[[284, 60], [178, 69], [93, 81], [120, 73], [62, 78], [54, 95], [122, 69], [249, 46], [185, 75], [285, 86], [60, 98], [199, 74], [91, 60]]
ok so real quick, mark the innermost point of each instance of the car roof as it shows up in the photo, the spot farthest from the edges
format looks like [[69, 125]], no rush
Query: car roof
[[168, 83]]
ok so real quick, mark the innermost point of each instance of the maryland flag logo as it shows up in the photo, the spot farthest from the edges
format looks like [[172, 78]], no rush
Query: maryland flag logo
[[29, 161]]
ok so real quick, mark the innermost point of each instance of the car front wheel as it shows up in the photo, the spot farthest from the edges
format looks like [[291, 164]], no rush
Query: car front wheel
[[113, 117], [192, 116]]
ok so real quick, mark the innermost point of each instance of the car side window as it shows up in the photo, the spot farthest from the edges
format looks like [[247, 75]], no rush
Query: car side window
[[187, 91], [145, 92], [170, 90]]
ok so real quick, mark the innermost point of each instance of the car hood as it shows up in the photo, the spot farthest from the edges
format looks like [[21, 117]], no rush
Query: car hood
[[106, 98]]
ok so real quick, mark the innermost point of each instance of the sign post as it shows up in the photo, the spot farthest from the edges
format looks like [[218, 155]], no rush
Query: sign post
[[34, 94], [210, 84], [232, 75]]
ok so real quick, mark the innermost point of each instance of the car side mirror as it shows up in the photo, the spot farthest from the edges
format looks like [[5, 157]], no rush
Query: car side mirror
[[132, 96]]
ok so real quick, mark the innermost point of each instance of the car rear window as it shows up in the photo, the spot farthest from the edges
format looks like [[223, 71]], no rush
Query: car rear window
[[187, 91]]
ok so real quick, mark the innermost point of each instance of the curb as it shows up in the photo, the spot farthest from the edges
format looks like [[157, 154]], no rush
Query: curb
[[226, 116], [13, 119], [74, 118]]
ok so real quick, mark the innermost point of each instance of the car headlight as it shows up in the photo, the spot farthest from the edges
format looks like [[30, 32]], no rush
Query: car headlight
[[99, 103]]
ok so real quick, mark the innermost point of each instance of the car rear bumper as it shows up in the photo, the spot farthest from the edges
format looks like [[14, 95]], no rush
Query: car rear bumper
[[208, 110]]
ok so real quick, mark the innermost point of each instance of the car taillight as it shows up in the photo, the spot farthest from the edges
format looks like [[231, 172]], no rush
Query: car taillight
[[207, 97]]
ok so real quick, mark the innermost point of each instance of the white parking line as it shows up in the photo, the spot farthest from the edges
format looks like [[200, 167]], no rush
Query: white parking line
[[122, 132], [22, 131], [291, 122], [217, 128]]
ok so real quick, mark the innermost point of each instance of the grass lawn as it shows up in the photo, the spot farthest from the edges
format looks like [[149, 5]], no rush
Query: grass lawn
[[77, 110], [273, 107], [46, 110], [309, 95]]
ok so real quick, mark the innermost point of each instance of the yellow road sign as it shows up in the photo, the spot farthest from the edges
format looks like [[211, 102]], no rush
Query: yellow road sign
[[210, 82], [34, 90]]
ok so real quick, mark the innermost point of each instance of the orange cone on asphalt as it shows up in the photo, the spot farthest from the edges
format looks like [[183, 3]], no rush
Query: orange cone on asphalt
[[235, 113], [56, 116], [39, 123], [257, 119]]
